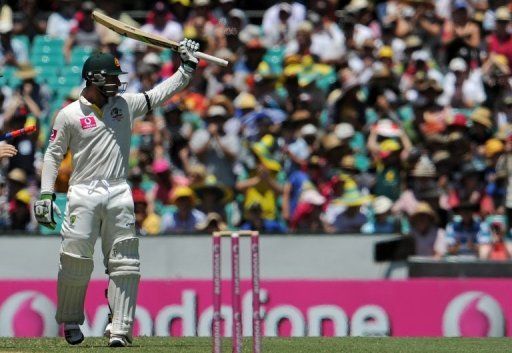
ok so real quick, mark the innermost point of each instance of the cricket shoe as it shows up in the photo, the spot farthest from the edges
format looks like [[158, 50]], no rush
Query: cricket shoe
[[73, 334], [117, 341], [106, 333]]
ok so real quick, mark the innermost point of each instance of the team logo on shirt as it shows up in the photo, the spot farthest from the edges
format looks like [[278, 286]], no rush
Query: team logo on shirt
[[87, 122], [116, 114], [53, 135]]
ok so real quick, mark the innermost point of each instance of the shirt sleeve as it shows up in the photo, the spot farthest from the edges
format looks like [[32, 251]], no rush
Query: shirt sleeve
[[57, 148], [138, 103]]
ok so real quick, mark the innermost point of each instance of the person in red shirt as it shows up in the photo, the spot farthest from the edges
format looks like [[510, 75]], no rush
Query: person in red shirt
[[500, 41]]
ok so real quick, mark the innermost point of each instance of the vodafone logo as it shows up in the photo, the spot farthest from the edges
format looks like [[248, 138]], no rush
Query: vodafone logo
[[473, 314], [28, 314], [87, 122]]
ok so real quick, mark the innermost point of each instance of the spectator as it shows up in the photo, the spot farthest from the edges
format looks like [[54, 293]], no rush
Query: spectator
[[212, 223], [216, 198], [62, 21], [83, 34], [494, 239], [428, 237], [281, 20], [12, 50], [185, 217], [500, 41], [161, 22], [461, 232], [307, 215], [262, 182], [146, 222], [254, 220], [20, 210], [352, 218], [381, 222], [216, 148]]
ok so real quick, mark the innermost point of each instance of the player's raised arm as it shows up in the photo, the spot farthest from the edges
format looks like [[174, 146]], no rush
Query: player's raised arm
[[141, 103]]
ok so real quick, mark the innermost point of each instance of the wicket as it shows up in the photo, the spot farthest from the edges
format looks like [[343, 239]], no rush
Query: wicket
[[235, 287]]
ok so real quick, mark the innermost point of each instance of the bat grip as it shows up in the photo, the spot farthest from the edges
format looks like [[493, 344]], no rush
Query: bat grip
[[211, 58]]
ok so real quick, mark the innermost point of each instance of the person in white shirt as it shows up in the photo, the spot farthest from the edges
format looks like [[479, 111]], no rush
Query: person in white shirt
[[163, 25], [97, 130]]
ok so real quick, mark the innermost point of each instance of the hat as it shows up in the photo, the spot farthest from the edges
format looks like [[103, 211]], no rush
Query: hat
[[139, 196], [357, 5], [199, 3], [308, 130], [424, 168], [458, 119], [413, 41], [458, 64], [305, 26], [216, 111], [330, 142], [388, 146], [212, 217], [381, 205], [420, 55], [18, 175], [223, 194], [182, 192], [503, 14], [152, 58], [482, 116], [344, 131], [440, 156], [387, 128], [26, 72], [386, 52], [312, 196], [160, 165], [492, 147], [261, 151], [24, 196], [423, 208], [185, 3], [352, 197], [6, 23], [225, 102], [245, 101], [88, 6], [301, 115], [460, 4]]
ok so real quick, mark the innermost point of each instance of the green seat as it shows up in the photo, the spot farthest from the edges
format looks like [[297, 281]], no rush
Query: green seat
[[41, 40], [47, 60], [46, 73], [79, 55], [72, 71]]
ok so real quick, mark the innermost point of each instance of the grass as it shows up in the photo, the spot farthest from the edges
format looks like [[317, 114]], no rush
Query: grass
[[270, 345]]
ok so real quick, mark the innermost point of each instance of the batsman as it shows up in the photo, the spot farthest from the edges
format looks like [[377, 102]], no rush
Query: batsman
[[97, 130]]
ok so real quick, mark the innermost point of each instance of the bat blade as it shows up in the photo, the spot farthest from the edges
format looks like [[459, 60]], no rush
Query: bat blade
[[148, 38]]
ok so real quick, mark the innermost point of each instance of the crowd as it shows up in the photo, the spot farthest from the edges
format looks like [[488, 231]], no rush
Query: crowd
[[334, 117]]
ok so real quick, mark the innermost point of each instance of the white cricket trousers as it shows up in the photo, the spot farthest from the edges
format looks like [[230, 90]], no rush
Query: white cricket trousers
[[101, 208]]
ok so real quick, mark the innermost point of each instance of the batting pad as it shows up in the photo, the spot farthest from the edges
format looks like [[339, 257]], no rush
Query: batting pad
[[74, 275], [124, 272]]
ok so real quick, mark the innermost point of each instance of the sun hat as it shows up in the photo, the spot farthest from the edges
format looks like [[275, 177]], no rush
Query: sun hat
[[352, 197], [424, 168], [222, 193], [423, 208], [482, 116], [212, 217], [492, 147], [183, 192], [381, 205]]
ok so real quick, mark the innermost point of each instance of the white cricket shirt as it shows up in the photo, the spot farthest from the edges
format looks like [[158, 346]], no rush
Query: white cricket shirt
[[99, 141]]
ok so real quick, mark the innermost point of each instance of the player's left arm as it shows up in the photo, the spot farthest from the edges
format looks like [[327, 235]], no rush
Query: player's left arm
[[141, 103]]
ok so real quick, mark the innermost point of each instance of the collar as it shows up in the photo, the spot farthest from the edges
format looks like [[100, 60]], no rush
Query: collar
[[92, 106]]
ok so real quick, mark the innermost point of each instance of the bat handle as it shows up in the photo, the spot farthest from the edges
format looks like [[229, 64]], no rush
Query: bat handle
[[211, 58]]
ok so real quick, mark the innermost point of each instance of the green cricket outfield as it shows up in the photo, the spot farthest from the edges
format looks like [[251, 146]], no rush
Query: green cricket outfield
[[270, 345]]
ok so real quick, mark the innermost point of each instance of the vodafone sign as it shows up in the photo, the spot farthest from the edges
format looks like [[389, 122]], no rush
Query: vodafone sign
[[472, 308]]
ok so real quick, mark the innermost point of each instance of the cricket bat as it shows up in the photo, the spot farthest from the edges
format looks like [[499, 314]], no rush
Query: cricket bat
[[149, 38]]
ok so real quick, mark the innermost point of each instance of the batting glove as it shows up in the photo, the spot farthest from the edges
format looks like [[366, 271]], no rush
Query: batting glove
[[45, 209], [187, 48]]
